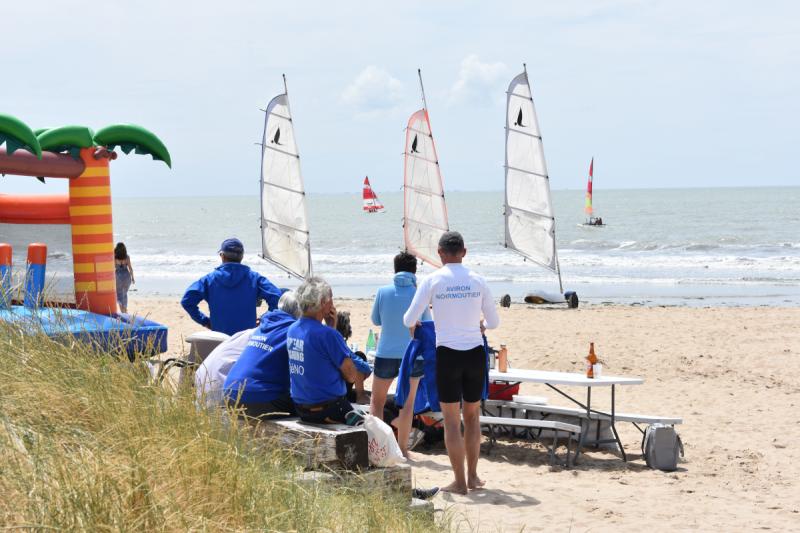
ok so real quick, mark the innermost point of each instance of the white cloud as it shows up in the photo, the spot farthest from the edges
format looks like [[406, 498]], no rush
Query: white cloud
[[373, 90], [477, 81]]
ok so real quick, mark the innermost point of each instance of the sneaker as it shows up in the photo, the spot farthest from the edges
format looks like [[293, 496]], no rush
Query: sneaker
[[424, 494], [414, 438]]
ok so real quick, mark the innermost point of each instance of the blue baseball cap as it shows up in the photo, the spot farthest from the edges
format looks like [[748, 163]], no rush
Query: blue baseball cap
[[232, 246]]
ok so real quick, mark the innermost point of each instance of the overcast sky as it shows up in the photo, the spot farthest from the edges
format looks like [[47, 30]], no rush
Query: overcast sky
[[662, 94]]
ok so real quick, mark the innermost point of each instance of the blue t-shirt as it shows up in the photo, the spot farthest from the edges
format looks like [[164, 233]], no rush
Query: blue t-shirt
[[261, 374], [391, 303], [316, 353]]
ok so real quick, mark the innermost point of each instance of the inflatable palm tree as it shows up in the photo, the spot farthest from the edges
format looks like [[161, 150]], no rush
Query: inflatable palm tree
[[82, 156]]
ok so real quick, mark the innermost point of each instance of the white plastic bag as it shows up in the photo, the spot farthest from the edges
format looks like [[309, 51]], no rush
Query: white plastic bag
[[382, 446]]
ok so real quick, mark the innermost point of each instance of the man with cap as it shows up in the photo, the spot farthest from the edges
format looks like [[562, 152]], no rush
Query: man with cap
[[232, 291], [462, 308]]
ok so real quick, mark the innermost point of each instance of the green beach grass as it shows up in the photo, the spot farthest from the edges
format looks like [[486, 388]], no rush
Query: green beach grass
[[88, 443]]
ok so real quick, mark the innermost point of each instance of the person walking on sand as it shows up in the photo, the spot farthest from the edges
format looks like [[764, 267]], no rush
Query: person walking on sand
[[391, 302], [232, 291], [458, 297], [123, 271]]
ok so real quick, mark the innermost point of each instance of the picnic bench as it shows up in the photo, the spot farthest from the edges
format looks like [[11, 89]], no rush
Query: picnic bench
[[571, 431], [583, 410]]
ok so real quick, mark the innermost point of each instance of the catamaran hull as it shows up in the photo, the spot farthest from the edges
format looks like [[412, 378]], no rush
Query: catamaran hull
[[545, 297]]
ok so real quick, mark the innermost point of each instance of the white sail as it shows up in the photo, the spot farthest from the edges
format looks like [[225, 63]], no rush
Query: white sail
[[284, 219], [530, 223], [425, 212]]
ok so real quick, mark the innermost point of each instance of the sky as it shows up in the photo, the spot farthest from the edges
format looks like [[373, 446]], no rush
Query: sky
[[661, 94]]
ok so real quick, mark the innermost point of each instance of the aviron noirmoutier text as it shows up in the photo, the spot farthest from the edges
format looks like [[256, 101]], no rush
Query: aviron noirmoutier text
[[295, 349], [457, 292], [259, 341]]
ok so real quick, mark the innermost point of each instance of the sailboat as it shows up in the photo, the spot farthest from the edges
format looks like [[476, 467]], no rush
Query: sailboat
[[284, 217], [371, 202], [591, 220], [424, 208], [529, 217]]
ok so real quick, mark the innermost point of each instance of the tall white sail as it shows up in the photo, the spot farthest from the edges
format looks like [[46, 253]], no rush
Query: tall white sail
[[425, 212], [530, 223], [284, 219]]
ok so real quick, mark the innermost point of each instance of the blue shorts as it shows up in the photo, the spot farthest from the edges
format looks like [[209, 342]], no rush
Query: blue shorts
[[389, 367]]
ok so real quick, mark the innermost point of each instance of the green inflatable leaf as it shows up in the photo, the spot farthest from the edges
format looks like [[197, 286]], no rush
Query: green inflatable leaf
[[66, 139], [130, 137], [16, 134]]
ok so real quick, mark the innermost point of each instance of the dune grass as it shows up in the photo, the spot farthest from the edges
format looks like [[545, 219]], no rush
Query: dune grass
[[88, 443]]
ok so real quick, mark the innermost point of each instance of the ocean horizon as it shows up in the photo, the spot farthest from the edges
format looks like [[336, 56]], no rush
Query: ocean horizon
[[682, 246]]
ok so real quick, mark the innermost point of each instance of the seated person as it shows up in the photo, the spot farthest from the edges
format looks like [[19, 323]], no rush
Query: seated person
[[319, 359], [355, 391], [210, 375], [259, 381]]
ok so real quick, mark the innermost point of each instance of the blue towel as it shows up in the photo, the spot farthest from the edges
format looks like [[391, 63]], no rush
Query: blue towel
[[424, 345]]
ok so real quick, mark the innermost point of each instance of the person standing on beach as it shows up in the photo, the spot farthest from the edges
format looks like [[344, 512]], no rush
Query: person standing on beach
[[391, 302], [123, 271], [232, 291], [459, 298]]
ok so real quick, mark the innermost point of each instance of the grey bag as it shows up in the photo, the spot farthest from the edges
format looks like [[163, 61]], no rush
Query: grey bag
[[660, 447]]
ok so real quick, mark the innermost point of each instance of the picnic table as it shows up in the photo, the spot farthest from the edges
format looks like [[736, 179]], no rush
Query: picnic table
[[558, 380]]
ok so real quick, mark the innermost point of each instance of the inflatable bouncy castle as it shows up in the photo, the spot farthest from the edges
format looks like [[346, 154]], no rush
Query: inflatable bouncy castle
[[77, 154]]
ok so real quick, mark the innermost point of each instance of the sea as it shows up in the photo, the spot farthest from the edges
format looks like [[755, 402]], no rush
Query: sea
[[671, 247]]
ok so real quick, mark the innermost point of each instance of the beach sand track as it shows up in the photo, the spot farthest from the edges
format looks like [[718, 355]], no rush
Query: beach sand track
[[731, 373]]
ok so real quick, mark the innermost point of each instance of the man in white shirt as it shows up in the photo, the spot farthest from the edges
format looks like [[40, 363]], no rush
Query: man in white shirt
[[459, 298]]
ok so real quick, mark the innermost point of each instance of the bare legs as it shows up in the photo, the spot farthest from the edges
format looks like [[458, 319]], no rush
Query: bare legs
[[472, 442], [455, 446], [406, 416], [380, 387], [460, 448], [361, 396]]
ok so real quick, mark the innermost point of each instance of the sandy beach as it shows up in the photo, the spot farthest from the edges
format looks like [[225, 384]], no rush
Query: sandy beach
[[729, 372]]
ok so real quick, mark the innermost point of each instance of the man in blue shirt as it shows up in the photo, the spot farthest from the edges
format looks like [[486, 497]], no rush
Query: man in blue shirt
[[391, 302], [319, 359], [259, 381], [232, 291]]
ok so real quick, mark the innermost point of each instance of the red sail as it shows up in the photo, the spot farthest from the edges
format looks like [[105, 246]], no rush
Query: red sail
[[371, 202]]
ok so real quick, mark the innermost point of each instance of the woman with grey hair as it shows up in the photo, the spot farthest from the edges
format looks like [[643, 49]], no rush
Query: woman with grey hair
[[259, 381], [319, 360]]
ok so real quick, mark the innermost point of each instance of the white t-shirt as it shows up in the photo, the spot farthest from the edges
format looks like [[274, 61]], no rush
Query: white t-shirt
[[211, 374], [458, 297]]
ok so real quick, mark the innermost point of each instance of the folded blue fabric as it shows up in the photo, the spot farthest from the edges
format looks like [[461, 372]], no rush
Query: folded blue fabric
[[424, 345]]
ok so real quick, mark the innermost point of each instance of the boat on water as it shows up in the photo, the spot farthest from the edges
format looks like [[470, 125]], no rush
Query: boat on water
[[424, 208], [591, 220], [371, 202], [284, 217], [530, 224]]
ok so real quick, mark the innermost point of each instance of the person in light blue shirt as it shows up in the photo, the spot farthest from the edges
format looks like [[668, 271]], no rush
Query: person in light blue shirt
[[391, 302], [319, 359]]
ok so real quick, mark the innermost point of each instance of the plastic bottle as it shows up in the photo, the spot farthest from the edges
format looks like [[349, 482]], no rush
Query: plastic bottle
[[591, 360], [502, 359]]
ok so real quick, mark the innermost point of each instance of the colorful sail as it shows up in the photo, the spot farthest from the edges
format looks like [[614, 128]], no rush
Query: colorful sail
[[371, 202], [529, 217], [588, 207], [284, 218], [425, 212]]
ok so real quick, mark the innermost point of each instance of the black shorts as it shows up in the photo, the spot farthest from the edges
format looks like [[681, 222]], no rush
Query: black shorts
[[460, 374]]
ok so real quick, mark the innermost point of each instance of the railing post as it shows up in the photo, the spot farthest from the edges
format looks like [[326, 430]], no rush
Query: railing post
[[5, 275], [34, 275]]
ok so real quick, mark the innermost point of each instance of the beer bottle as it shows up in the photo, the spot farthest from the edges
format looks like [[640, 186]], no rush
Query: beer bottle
[[502, 359], [591, 360]]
